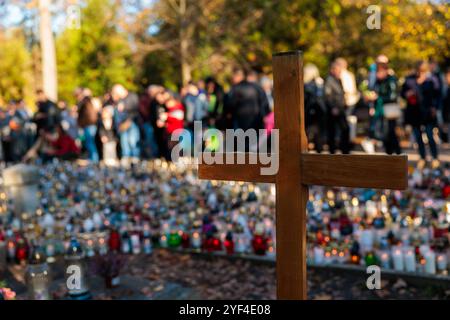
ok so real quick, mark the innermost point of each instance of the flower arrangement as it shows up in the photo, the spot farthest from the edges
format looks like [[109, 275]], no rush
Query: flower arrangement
[[109, 266], [6, 293]]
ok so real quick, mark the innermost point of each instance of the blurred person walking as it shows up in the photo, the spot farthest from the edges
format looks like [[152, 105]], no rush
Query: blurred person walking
[[175, 118], [315, 110], [47, 116], [87, 122], [215, 97], [335, 103], [247, 104], [386, 108], [126, 121], [446, 105], [107, 135], [158, 117], [196, 110], [420, 93], [146, 111], [348, 81]]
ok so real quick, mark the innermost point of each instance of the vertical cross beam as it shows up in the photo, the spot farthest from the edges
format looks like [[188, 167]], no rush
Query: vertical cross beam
[[291, 194]]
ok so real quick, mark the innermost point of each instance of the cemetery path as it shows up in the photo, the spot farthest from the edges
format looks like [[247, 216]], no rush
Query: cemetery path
[[174, 275]]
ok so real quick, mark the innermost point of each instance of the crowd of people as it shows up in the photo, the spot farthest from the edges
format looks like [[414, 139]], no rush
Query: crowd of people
[[124, 126], [380, 101]]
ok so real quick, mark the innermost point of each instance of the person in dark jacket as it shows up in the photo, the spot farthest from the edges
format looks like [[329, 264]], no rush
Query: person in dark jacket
[[147, 115], [47, 116], [247, 104], [385, 89], [87, 121], [335, 103], [420, 94], [126, 121], [315, 110], [158, 117], [215, 97], [446, 105]]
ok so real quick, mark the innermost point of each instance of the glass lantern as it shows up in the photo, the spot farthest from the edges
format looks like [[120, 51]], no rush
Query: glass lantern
[[76, 272], [38, 276]]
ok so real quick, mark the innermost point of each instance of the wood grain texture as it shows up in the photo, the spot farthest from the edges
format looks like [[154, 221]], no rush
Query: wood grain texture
[[291, 194], [356, 170], [234, 172]]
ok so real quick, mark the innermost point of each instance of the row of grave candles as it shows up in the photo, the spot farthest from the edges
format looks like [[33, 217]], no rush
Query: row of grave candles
[[15, 248], [400, 257], [252, 236]]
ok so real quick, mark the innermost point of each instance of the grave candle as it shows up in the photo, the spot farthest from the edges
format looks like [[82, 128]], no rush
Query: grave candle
[[174, 239], [384, 258], [271, 252], [328, 258], [78, 288], [11, 250], [90, 252], [185, 240], [102, 247], [430, 262], [163, 241], [135, 244], [37, 277], [355, 259], [240, 244], [21, 251], [366, 240], [335, 233], [114, 240], [147, 243], [318, 255], [424, 234], [126, 243], [410, 260], [442, 262], [229, 243], [2, 255], [397, 259], [50, 248], [423, 249], [196, 240]]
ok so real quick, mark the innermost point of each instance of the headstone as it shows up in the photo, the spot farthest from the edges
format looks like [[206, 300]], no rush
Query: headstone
[[21, 183]]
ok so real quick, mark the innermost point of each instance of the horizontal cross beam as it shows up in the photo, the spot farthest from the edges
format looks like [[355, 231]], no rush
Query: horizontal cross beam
[[234, 172], [355, 171]]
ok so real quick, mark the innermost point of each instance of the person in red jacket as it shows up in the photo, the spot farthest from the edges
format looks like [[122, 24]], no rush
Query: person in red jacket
[[175, 118], [175, 115], [63, 147]]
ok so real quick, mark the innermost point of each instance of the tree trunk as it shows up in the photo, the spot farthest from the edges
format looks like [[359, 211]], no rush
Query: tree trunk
[[49, 77], [184, 45]]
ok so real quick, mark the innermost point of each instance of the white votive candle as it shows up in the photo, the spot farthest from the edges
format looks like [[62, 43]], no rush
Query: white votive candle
[[397, 259], [410, 261], [318, 255], [384, 257], [430, 262], [442, 262], [163, 241], [196, 240]]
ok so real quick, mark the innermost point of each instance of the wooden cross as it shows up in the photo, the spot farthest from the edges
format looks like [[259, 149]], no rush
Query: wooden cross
[[298, 169]]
